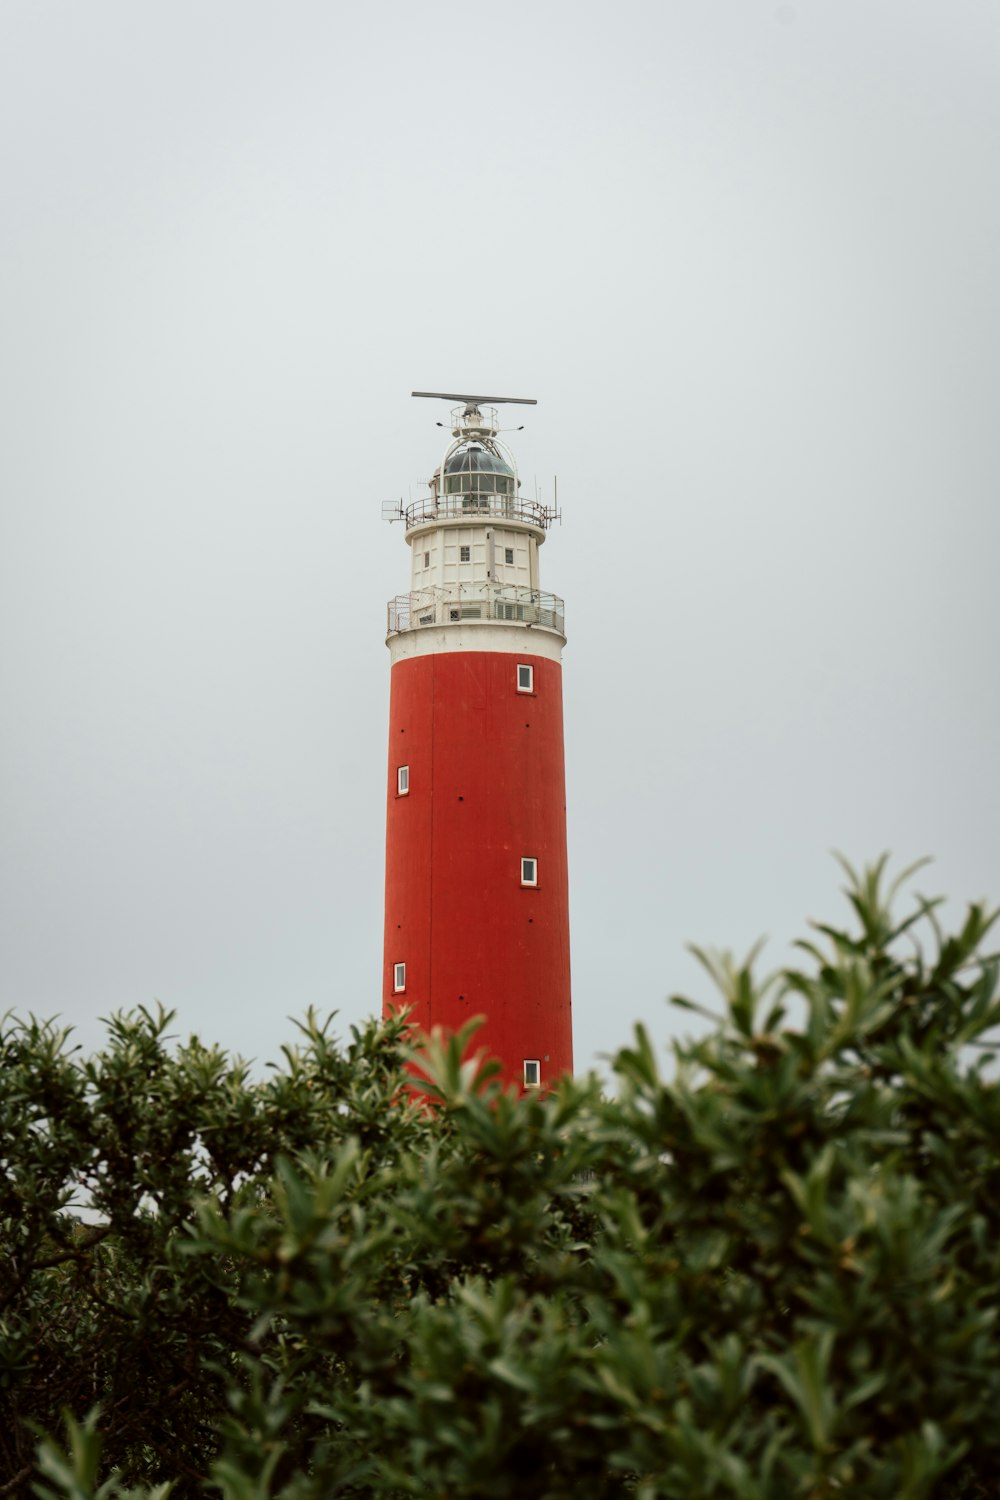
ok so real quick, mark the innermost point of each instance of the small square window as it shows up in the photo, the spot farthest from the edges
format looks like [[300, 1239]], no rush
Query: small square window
[[529, 871], [508, 554], [532, 1072], [398, 978], [464, 554], [427, 559], [525, 677], [402, 780]]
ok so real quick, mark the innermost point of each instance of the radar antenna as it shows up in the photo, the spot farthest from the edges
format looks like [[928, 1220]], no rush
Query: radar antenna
[[473, 403]]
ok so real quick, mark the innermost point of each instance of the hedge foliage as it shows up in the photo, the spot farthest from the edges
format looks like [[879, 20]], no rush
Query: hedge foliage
[[770, 1270]]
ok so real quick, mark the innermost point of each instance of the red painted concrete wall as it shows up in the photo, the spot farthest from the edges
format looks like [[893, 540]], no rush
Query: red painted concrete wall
[[487, 785]]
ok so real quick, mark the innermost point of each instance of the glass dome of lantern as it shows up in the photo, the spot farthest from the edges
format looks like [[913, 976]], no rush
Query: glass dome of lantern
[[476, 470]]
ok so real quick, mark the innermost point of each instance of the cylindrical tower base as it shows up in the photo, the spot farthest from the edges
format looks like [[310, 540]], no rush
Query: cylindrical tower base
[[476, 895]]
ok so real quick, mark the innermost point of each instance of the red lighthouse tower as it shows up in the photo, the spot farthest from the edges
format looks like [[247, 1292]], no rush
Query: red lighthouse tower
[[476, 891]]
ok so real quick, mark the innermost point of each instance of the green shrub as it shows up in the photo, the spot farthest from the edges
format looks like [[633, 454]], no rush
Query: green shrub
[[771, 1271]]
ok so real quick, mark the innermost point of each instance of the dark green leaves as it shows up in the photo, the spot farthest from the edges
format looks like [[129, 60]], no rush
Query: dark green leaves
[[768, 1268]]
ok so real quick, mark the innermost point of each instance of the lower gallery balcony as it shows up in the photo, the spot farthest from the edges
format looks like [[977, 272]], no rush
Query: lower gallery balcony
[[475, 601]]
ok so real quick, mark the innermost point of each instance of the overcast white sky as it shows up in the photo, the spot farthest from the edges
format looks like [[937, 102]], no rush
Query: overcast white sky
[[745, 255]]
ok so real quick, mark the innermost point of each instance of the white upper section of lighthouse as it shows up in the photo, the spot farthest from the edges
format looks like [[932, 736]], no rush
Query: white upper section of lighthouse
[[474, 539]]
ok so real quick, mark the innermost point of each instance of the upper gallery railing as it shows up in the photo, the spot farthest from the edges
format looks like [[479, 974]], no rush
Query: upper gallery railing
[[473, 506]]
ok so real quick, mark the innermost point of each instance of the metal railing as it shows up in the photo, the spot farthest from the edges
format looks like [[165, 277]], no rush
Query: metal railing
[[476, 601], [474, 507]]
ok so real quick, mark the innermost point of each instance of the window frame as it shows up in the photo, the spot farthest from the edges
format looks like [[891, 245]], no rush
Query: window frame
[[529, 686], [536, 1063], [508, 555], [402, 781], [532, 880], [399, 973], [464, 553]]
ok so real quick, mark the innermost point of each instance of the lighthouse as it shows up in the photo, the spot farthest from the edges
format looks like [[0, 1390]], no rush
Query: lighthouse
[[476, 887]]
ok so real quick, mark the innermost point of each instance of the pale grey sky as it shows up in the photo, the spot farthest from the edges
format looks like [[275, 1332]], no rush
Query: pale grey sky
[[745, 256]]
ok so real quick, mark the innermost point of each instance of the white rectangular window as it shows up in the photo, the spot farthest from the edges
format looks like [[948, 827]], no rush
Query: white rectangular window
[[508, 554], [464, 553], [398, 978], [525, 677], [402, 780], [532, 1072], [427, 559], [529, 870]]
